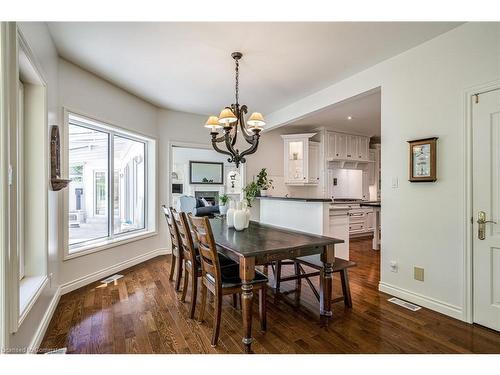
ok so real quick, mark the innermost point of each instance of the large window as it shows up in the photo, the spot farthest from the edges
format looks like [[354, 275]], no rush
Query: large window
[[108, 192]]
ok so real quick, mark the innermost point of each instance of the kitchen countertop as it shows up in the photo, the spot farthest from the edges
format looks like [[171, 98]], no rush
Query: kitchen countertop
[[296, 199], [370, 204]]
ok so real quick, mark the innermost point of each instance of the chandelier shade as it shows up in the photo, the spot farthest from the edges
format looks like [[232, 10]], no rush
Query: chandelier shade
[[256, 120], [226, 117], [230, 119], [213, 123]]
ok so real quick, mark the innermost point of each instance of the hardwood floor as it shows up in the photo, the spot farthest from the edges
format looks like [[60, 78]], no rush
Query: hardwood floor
[[143, 314]]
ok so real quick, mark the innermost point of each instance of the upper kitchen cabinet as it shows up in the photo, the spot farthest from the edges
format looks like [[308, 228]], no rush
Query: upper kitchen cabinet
[[301, 159], [342, 146]]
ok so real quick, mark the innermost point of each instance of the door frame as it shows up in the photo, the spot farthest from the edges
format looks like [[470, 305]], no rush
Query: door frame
[[187, 144], [468, 97]]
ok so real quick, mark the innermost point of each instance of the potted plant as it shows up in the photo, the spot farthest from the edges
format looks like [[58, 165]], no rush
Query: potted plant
[[250, 192], [264, 182], [223, 204]]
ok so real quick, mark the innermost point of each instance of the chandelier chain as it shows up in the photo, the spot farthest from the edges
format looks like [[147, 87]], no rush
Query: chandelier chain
[[237, 80]]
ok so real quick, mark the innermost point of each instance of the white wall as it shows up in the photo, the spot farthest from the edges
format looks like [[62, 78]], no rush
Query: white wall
[[179, 127], [422, 95], [88, 94]]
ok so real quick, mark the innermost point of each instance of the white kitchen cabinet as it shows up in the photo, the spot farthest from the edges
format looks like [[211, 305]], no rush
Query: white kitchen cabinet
[[352, 147], [339, 228], [341, 146], [360, 221], [313, 167], [301, 159], [362, 150]]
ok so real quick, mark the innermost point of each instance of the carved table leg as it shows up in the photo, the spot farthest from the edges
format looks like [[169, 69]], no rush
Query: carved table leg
[[325, 293], [247, 274]]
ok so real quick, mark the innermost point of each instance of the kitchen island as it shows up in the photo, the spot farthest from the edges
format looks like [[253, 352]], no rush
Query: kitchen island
[[376, 225], [310, 215]]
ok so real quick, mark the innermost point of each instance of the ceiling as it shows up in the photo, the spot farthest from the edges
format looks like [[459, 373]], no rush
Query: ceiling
[[187, 66], [363, 109]]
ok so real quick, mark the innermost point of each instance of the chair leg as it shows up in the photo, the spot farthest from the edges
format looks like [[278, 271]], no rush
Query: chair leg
[[179, 272], [235, 301], [344, 278], [194, 292], [173, 259], [262, 308], [217, 318], [277, 281], [203, 301], [185, 286]]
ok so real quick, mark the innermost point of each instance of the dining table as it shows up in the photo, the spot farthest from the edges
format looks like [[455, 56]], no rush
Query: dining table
[[262, 244]]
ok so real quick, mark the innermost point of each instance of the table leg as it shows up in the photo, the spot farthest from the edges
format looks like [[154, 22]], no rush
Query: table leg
[[325, 292], [247, 274]]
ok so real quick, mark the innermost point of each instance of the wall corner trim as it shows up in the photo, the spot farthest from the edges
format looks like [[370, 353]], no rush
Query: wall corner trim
[[85, 280], [421, 300], [44, 324]]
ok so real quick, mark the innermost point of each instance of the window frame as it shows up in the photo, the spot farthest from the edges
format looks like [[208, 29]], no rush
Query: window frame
[[150, 184]]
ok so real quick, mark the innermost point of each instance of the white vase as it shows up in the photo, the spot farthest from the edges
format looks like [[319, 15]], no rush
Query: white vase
[[223, 209], [263, 193], [230, 215], [244, 207], [240, 218]]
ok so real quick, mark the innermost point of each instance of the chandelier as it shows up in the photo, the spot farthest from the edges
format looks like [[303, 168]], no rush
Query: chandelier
[[229, 120]]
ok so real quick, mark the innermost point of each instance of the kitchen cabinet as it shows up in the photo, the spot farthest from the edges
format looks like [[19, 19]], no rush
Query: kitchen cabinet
[[341, 146], [301, 159], [360, 221]]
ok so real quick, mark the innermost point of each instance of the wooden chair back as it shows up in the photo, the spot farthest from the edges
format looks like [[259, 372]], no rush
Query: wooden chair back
[[185, 238], [172, 227], [207, 248]]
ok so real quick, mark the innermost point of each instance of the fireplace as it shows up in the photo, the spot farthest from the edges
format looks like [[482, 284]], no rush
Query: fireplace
[[210, 196]]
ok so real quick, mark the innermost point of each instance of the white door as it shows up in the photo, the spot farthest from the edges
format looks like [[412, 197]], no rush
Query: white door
[[486, 201]]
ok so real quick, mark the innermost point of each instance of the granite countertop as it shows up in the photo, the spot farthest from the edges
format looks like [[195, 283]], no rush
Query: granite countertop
[[371, 204], [296, 199]]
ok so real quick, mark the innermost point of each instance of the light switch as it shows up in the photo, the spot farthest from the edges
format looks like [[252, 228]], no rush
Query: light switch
[[395, 182]]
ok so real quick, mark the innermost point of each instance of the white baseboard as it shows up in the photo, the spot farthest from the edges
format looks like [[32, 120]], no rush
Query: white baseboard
[[421, 300], [85, 280], [44, 323]]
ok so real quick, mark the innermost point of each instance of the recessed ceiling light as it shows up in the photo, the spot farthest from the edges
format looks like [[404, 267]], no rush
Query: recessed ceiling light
[[349, 117]]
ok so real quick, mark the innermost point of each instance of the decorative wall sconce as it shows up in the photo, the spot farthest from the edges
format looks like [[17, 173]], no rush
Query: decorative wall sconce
[[56, 181]]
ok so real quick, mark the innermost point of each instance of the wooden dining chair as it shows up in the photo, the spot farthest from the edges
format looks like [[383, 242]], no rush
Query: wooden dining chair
[[191, 259], [221, 281], [176, 261]]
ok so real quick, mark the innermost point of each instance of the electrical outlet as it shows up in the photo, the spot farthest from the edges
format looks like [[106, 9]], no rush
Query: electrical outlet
[[418, 273], [394, 266], [395, 183]]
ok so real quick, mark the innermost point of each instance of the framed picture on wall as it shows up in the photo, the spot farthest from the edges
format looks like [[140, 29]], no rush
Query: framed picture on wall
[[422, 154]]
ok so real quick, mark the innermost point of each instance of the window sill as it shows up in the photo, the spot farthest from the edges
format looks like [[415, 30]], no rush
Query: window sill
[[107, 244], [30, 288]]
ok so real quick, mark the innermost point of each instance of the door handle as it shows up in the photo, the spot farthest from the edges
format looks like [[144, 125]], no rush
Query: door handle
[[481, 220]]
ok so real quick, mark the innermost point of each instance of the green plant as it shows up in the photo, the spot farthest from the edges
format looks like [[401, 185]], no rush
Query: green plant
[[250, 192], [224, 198], [263, 181]]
